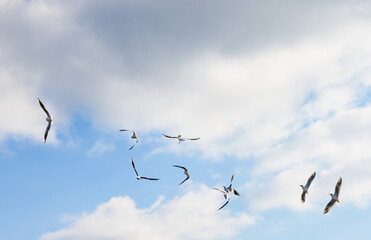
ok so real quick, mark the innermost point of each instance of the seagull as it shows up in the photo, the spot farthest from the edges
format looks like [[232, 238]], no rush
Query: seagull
[[186, 172], [226, 192], [334, 197], [134, 136], [180, 138], [305, 188], [49, 119], [139, 177]]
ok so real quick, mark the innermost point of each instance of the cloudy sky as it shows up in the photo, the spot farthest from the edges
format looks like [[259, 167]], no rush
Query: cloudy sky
[[275, 89]]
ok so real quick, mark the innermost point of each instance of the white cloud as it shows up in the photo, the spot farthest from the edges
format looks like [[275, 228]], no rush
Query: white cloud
[[21, 115], [191, 216], [286, 97], [334, 147], [239, 104]]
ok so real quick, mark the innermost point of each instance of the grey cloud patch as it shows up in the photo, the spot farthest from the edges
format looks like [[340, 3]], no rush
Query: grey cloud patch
[[152, 36]]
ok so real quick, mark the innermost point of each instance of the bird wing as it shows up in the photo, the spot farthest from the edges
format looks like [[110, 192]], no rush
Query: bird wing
[[303, 196], [184, 180], [338, 186], [220, 190], [132, 163], [126, 130], [134, 144], [186, 172], [47, 131], [180, 167], [235, 192], [168, 136], [310, 179], [224, 204], [232, 178], [43, 107], [191, 138], [329, 206], [153, 179]]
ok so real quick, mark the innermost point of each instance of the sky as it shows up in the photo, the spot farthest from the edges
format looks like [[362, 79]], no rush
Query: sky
[[274, 89]]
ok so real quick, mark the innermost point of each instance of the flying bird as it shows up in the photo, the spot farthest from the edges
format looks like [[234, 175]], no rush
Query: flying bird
[[134, 136], [186, 172], [334, 197], [226, 192], [305, 188], [180, 138], [139, 177], [49, 119]]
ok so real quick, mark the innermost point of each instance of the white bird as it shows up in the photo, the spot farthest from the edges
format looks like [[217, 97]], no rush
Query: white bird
[[305, 188], [49, 119], [334, 197], [226, 192], [186, 172], [180, 138], [139, 177], [134, 136]]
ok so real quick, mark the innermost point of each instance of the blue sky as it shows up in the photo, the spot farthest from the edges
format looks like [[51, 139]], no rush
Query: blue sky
[[274, 90]]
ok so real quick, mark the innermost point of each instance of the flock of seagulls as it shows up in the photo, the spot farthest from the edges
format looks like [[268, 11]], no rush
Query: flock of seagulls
[[226, 190], [334, 197]]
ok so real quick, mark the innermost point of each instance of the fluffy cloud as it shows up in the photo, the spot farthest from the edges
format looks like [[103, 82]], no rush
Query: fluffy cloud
[[191, 216], [334, 147], [21, 115], [286, 88], [119, 66]]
